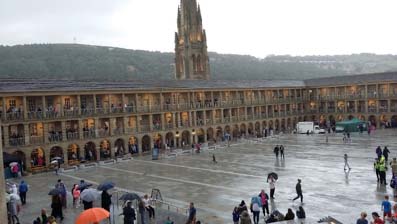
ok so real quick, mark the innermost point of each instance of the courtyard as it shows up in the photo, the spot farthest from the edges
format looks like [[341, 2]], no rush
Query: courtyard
[[240, 173]]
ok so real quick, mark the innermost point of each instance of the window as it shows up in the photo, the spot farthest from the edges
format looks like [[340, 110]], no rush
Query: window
[[12, 103], [83, 101], [31, 105], [33, 130], [98, 101]]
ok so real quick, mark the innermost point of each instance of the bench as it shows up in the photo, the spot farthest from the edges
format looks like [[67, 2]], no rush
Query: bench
[[88, 165], [107, 162]]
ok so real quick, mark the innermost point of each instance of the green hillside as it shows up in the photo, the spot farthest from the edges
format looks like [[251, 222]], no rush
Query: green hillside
[[74, 61]]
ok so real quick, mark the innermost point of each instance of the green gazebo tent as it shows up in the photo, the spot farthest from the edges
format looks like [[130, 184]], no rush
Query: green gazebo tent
[[352, 125]]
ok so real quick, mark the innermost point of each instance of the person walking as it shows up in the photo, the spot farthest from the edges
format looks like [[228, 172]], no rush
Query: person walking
[[393, 165], [141, 210], [276, 150], [76, 195], [298, 189], [256, 208], [378, 152], [236, 215], [346, 162], [264, 200], [386, 208], [192, 214], [56, 206], [376, 166], [106, 200], [386, 153], [129, 213], [282, 152], [23, 189], [12, 209], [382, 170], [272, 186], [148, 207], [214, 159]]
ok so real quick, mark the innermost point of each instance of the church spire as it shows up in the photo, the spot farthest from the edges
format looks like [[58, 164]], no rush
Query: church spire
[[191, 56]]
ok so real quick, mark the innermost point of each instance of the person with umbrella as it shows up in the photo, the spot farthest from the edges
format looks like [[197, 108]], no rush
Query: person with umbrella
[[88, 196], [271, 179], [129, 213], [106, 197]]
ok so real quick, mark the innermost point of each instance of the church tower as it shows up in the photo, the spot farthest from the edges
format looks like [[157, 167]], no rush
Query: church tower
[[191, 56]]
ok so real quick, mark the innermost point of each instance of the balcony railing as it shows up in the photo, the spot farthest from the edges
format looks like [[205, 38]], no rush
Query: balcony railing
[[132, 130], [17, 141], [55, 136], [72, 136], [51, 114], [169, 126], [89, 134], [87, 111], [71, 113], [12, 116], [36, 140], [35, 115]]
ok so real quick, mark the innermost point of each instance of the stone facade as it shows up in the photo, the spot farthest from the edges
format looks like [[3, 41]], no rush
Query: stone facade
[[191, 56], [93, 124]]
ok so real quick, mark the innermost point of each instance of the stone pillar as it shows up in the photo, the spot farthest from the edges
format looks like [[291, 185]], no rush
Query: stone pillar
[[110, 104], [3, 208], [81, 126], [79, 104], [61, 109], [190, 119], [44, 107], [213, 113], [194, 113], [138, 123], [150, 122], [45, 133], [123, 102], [94, 99], [25, 108], [26, 134], [125, 125], [205, 118], [174, 120], [162, 119], [63, 128], [230, 115], [178, 122], [221, 115], [112, 125]]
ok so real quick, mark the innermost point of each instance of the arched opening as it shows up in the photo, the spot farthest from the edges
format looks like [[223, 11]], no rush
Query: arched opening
[[372, 121], [340, 117], [294, 122], [283, 125], [169, 140], [350, 117], [56, 153], [258, 129], [90, 151], [314, 118], [393, 121], [250, 129], [185, 139], [133, 145], [271, 125], [146, 143], [361, 117], [119, 146], [219, 133], [37, 158], [104, 150], [22, 157], [210, 134], [235, 133], [277, 125], [243, 130], [158, 141], [200, 135], [73, 154], [383, 121], [264, 124]]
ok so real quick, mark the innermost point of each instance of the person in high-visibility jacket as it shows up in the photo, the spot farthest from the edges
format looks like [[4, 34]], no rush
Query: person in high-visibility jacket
[[382, 170], [376, 167]]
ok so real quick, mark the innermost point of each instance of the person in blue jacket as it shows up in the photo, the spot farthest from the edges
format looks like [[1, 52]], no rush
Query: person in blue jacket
[[23, 189]]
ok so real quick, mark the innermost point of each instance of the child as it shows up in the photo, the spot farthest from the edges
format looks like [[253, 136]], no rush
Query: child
[[76, 195], [386, 208]]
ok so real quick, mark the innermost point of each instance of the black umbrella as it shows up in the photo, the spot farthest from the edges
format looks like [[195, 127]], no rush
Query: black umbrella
[[130, 197], [54, 191], [83, 186], [272, 174], [106, 186]]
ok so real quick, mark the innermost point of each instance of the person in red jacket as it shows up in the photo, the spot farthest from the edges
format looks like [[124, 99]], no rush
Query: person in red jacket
[[377, 219]]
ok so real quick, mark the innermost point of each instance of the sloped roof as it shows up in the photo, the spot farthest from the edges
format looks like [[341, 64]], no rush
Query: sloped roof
[[353, 79]]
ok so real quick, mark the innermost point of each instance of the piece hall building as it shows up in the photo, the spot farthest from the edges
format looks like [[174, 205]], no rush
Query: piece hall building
[[96, 121]]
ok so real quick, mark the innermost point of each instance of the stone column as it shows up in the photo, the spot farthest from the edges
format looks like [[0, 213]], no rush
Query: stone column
[[150, 122], [178, 122], [81, 126], [125, 125], [26, 134], [138, 123], [112, 125], [162, 121], [63, 129], [44, 109], [79, 104], [174, 121], [25, 108], [3, 209], [205, 117], [123, 102], [4, 108], [94, 99], [221, 115], [45, 132]]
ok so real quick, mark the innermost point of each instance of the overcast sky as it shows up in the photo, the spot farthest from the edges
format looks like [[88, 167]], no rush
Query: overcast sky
[[255, 27]]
